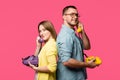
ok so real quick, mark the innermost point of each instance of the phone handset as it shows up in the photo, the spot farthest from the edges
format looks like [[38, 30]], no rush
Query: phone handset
[[40, 40], [79, 27]]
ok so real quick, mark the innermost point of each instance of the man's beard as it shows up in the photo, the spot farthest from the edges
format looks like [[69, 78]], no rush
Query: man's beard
[[72, 24], [76, 22]]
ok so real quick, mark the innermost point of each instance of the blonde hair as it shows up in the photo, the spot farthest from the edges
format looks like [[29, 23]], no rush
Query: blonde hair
[[48, 26]]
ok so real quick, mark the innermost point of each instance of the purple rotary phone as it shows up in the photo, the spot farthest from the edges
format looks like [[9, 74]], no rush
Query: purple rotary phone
[[32, 59]]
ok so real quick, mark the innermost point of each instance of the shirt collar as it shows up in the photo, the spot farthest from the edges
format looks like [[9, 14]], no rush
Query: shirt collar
[[68, 29]]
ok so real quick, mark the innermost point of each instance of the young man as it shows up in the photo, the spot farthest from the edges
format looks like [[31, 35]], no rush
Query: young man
[[71, 65]]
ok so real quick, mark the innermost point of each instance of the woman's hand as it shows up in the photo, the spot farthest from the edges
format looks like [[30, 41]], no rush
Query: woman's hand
[[32, 66]]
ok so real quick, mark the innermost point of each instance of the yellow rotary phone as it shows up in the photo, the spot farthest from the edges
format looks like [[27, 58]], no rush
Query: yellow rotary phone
[[97, 60]]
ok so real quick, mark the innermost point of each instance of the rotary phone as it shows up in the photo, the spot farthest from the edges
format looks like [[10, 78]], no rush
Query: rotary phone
[[97, 60]]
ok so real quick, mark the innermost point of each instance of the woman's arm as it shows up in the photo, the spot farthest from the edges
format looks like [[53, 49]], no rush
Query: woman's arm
[[38, 47], [51, 67]]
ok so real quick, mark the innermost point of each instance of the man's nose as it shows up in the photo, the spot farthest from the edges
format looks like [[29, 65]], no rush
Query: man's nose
[[75, 16]]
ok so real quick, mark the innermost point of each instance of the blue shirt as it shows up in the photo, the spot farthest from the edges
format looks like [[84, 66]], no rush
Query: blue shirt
[[69, 46]]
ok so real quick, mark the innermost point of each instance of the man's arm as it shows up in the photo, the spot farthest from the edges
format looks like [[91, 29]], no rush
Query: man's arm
[[78, 64], [85, 39], [86, 42]]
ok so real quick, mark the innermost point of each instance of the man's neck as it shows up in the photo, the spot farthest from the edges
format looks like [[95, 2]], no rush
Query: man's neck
[[69, 25]]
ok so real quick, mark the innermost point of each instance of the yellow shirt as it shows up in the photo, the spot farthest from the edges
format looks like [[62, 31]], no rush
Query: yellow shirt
[[47, 57]]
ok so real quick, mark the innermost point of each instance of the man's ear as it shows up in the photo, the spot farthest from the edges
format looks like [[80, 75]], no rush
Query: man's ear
[[64, 17]]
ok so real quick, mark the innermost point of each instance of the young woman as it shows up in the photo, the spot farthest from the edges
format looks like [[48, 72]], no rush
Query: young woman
[[47, 55]]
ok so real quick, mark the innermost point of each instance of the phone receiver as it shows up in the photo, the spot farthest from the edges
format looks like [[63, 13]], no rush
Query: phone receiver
[[40, 40], [79, 29]]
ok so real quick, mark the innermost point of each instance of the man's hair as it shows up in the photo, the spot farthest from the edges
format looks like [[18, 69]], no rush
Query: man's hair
[[67, 7]]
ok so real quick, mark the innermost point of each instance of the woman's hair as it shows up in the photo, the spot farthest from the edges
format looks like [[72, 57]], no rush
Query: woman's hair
[[48, 26]]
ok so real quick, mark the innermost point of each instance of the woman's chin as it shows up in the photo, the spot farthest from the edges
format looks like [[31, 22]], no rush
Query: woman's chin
[[45, 40]]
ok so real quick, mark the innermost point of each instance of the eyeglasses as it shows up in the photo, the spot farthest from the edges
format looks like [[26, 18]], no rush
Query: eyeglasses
[[73, 14]]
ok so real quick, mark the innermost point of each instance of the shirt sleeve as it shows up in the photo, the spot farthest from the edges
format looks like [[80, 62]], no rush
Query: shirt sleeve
[[65, 46], [51, 57]]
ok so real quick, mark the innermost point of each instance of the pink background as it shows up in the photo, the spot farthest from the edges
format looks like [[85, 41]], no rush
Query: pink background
[[18, 31]]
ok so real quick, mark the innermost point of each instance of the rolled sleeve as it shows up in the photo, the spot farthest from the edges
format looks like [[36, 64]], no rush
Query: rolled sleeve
[[64, 56], [65, 46]]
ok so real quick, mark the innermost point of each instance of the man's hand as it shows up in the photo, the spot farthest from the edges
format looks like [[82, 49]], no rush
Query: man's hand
[[91, 63], [79, 27]]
